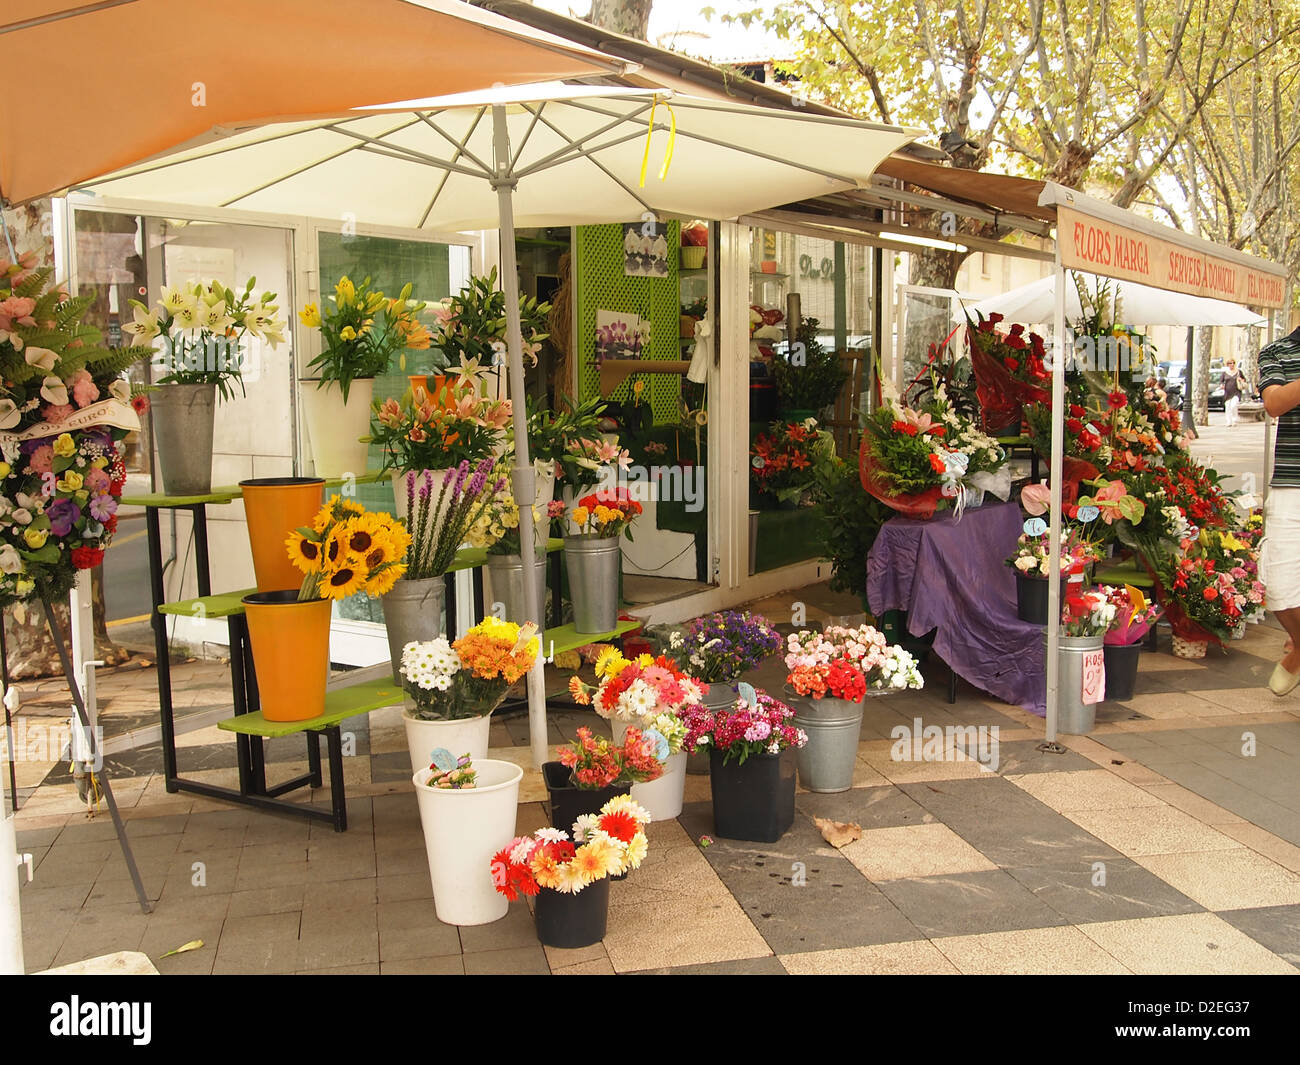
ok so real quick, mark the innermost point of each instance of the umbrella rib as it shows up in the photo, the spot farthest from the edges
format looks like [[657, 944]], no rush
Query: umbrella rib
[[575, 152], [765, 155], [409, 154], [458, 145], [600, 166], [527, 133], [446, 175], [573, 148]]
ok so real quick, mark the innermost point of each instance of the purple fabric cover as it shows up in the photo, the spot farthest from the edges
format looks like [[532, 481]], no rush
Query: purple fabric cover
[[950, 576]]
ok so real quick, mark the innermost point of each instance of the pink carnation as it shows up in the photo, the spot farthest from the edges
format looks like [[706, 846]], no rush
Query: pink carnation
[[57, 412], [42, 460], [97, 481], [83, 388]]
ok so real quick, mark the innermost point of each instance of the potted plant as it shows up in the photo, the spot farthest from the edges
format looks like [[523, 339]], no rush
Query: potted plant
[[453, 687], [593, 557], [551, 434], [717, 650], [752, 769], [569, 877], [439, 516], [833, 672], [361, 330], [497, 530], [467, 811], [594, 770], [781, 464], [203, 330], [1086, 617], [808, 378], [345, 550], [1032, 565], [471, 326], [1134, 616], [419, 434], [647, 694], [59, 486]]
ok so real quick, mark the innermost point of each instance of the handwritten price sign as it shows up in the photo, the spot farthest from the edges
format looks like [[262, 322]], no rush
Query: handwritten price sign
[[1094, 677]]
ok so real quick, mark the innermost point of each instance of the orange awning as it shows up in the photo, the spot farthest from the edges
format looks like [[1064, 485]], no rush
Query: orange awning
[[94, 87]]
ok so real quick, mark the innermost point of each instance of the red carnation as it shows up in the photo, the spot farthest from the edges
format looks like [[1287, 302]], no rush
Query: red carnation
[[87, 557], [936, 463], [906, 428]]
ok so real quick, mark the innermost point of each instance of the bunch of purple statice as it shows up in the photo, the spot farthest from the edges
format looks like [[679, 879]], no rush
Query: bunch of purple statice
[[718, 648]]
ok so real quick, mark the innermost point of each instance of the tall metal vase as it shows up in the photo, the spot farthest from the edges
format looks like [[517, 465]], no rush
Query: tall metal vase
[[507, 575], [593, 563], [827, 761], [182, 427], [412, 613]]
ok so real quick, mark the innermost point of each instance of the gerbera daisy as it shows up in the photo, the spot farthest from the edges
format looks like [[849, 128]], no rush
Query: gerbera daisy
[[597, 859], [546, 870], [636, 851], [569, 879], [552, 835], [620, 825], [629, 805], [583, 827]]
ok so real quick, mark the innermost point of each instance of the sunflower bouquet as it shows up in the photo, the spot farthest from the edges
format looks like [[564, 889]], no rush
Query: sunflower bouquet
[[451, 681], [348, 550], [609, 843]]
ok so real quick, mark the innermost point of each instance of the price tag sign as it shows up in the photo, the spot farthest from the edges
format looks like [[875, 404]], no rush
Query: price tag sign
[[1088, 513], [1094, 677], [1035, 527]]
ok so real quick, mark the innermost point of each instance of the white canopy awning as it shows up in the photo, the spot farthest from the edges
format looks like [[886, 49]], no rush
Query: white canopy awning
[[578, 156]]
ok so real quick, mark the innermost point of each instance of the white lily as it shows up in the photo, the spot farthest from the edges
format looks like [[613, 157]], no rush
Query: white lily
[[145, 325], [186, 317], [213, 316], [42, 357], [468, 372], [53, 390], [176, 299], [10, 415]]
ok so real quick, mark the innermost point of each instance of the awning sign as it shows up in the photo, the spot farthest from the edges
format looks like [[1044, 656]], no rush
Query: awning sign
[[1101, 246]]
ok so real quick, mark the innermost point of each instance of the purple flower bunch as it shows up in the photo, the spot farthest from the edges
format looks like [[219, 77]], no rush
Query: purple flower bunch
[[718, 648], [441, 507]]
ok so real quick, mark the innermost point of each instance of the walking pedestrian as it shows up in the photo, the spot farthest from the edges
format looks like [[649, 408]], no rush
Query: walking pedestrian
[[1234, 384], [1279, 386]]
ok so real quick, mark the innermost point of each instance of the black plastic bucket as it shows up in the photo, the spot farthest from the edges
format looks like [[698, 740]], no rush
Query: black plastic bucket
[[1031, 598], [576, 920], [568, 803], [1121, 670], [753, 801]]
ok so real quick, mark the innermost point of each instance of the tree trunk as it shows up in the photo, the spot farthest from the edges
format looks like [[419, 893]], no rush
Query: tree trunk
[[1201, 380], [628, 17], [31, 651]]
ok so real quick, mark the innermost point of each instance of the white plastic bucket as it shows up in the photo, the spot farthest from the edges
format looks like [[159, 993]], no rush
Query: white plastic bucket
[[463, 829], [468, 735]]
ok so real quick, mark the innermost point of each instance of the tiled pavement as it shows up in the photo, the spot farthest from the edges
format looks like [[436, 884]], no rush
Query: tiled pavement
[[1166, 842]]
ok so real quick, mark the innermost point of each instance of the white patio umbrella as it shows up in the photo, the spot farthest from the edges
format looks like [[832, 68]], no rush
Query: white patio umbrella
[[549, 155], [1035, 303]]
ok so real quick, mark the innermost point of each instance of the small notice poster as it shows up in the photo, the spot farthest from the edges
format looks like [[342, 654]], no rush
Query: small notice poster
[[1094, 677]]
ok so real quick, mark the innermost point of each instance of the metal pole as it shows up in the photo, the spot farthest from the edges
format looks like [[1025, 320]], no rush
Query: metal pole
[[1057, 469], [521, 476], [11, 914]]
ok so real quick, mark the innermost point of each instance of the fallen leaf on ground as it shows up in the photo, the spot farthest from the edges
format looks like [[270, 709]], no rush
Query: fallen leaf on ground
[[193, 944], [838, 833]]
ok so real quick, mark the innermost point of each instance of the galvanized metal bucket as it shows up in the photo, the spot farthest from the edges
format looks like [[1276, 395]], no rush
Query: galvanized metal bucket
[[412, 612], [507, 574], [593, 563], [826, 762], [1080, 658], [182, 427]]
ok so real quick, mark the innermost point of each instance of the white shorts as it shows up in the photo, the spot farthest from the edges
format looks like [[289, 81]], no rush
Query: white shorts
[[1279, 558]]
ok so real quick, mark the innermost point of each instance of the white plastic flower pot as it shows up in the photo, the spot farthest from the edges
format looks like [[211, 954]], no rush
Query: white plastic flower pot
[[467, 735], [335, 426], [662, 798], [463, 829]]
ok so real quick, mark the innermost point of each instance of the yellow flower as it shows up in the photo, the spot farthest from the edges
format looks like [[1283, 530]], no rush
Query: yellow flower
[[5, 470], [310, 316], [580, 515], [345, 292], [610, 662], [100, 463], [65, 446], [569, 879], [346, 580], [36, 538], [70, 481], [348, 333], [303, 553], [382, 580]]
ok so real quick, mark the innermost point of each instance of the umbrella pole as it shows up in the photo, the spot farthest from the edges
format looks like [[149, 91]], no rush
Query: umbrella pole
[[1057, 465], [522, 480]]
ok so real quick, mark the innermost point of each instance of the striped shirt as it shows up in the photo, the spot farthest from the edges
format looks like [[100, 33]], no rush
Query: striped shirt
[[1279, 364]]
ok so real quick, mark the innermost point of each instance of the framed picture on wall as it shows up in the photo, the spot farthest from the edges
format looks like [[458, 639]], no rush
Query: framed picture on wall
[[645, 249]]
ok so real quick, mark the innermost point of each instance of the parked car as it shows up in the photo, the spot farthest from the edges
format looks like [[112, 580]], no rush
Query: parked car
[[1174, 383], [1216, 388]]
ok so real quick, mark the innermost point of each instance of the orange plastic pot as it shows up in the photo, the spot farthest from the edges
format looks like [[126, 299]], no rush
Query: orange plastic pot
[[274, 507], [291, 653], [418, 381]]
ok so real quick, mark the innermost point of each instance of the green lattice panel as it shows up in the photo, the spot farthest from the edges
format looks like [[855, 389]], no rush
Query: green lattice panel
[[602, 285]]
